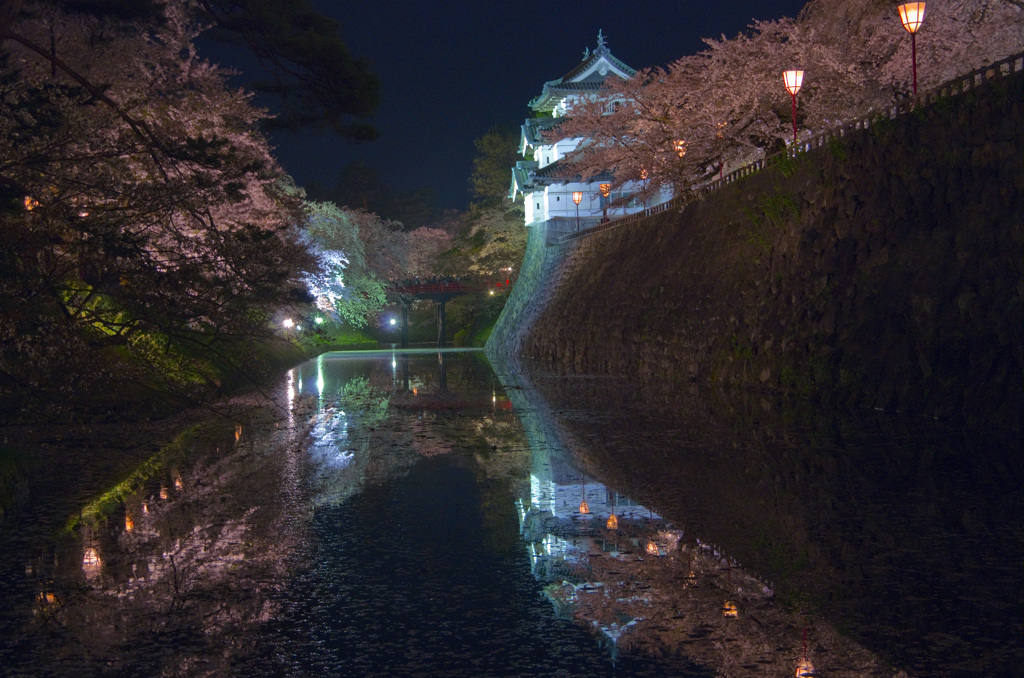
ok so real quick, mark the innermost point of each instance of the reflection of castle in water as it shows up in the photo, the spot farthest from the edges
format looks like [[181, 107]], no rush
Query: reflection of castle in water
[[570, 518], [622, 571]]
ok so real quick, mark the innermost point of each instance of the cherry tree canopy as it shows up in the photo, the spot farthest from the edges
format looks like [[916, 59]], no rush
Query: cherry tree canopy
[[726, 105], [142, 207]]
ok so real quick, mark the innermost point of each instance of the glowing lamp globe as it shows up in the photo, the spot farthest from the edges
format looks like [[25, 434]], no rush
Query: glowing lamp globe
[[584, 507], [613, 522], [805, 669], [606, 190], [794, 80], [577, 197], [912, 15]]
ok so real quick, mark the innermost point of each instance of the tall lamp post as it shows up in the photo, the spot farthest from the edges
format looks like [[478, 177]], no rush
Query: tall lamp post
[[794, 80], [577, 196], [912, 14], [606, 190]]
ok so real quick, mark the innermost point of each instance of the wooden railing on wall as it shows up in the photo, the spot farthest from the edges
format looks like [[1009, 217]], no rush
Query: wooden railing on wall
[[953, 88]]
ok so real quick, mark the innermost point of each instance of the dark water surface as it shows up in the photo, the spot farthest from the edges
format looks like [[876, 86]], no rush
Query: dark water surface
[[417, 514]]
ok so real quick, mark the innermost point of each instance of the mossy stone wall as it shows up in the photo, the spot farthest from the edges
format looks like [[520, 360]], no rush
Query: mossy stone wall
[[882, 270]]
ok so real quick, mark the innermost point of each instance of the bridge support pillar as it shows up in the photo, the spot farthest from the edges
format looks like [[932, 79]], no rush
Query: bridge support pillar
[[405, 325], [440, 324]]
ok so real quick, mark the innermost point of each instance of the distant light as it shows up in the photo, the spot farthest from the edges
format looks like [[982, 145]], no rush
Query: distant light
[[319, 320], [679, 146], [492, 292], [729, 609], [613, 522], [652, 548], [393, 321], [606, 189], [584, 507], [577, 197], [805, 669], [129, 524], [288, 322], [30, 203], [298, 327]]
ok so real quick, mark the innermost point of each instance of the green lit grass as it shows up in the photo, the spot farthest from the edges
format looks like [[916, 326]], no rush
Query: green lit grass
[[103, 506]]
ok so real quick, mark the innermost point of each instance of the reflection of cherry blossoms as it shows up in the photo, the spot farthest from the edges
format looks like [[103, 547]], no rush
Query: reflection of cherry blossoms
[[194, 553]]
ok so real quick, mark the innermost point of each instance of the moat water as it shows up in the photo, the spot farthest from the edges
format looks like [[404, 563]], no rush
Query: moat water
[[423, 513]]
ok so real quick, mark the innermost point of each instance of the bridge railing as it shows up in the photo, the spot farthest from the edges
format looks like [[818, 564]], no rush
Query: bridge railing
[[956, 87], [453, 287]]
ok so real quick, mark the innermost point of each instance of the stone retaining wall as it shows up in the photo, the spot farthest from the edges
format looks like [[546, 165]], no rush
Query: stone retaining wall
[[883, 269]]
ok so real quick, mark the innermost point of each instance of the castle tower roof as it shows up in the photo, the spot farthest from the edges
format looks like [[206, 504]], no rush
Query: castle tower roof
[[585, 78]]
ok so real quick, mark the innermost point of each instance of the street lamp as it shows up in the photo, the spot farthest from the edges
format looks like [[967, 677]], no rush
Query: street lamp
[[912, 14], [794, 80], [577, 196]]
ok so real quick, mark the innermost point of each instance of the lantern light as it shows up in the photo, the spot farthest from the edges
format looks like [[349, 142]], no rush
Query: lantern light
[[912, 15], [577, 197], [679, 146], [794, 80], [584, 507], [729, 609], [606, 190], [613, 522], [652, 548]]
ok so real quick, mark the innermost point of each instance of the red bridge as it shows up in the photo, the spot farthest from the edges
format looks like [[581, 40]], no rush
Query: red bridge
[[440, 292]]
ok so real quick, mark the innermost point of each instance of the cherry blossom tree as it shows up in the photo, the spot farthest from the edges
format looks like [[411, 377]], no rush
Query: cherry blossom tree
[[143, 207], [725, 106]]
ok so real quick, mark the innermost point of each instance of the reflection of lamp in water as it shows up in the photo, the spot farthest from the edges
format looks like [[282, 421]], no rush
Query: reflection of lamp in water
[[804, 668], [163, 492], [613, 522], [584, 506], [91, 558], [129, 524], [729, 609]]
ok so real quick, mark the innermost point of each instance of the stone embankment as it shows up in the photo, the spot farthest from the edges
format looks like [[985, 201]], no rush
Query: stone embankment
[[881, 269]]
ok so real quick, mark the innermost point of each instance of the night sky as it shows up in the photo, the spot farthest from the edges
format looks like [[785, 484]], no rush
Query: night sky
[[452, 70]]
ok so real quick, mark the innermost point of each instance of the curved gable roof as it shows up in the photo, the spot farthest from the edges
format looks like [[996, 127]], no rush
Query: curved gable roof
[[587, 76]]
